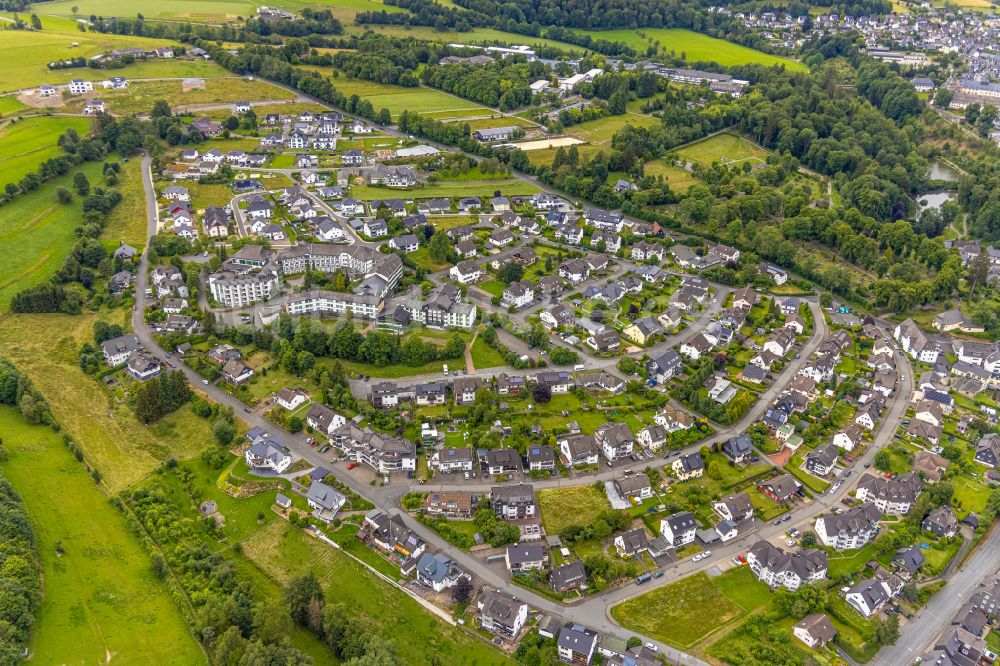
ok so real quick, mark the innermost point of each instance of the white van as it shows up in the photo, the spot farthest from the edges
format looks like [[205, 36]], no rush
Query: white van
[[579, 366]]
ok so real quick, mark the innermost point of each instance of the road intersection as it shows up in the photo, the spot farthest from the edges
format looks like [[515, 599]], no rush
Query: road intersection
[[595, 610]]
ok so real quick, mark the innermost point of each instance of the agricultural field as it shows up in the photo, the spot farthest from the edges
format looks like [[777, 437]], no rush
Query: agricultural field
[[546, 155], [694, 47], [725, 148], [282, 551], [45, 347], [27, 143], [33, 51], [447, 116], [675, 613], [562, 507], [101, 598], [678, 179], [42, 230], [139, 97]]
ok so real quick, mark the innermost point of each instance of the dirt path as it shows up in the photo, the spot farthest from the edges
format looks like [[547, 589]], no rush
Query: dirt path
[[470, 367]]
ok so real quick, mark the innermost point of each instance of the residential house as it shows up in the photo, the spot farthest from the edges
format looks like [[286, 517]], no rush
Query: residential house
[[568, 577], [815, 630], [324, 500], [576, 644], [688, 466], [679, 529], [524, 557], [579, 450], [268, 454], [632, 543], [734, 507], [614, 440], [890, 496], [738, 448], [634, 487], [437, 571], [850, 529], [941, 522], [775, 567]]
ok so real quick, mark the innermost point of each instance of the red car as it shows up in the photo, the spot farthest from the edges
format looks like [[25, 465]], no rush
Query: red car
[[311, 442], [352, 465]]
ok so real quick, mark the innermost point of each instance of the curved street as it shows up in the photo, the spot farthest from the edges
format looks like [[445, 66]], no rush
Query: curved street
[[594, 611]]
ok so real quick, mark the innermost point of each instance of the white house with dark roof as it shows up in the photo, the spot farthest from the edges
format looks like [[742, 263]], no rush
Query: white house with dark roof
[[268, 454]]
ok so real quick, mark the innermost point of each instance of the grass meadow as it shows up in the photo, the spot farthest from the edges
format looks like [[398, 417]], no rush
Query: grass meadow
[[467, 188], [675, 613], [600, 131], [398, 98], [29, 142], [10, 105], [282, 551], [33, 51], [102, 603], [724, 147], [139, 97], [206, 10], [127, 222], [562, 507], [46, 348], [678, 179], [38, 232]]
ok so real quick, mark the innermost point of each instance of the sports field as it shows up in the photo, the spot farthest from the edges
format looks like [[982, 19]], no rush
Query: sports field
[[694, 46], [27, 143], [33, 51], [724, 148], [102, 603]]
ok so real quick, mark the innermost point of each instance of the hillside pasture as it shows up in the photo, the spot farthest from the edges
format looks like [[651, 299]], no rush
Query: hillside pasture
[[38, 232], [282, 551], [102, 602], [207, 11], [46, 348], [27, 143], [33, 51]]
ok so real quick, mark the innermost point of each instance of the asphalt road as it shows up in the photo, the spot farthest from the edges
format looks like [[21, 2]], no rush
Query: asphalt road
[[594, 611], [920, 633]]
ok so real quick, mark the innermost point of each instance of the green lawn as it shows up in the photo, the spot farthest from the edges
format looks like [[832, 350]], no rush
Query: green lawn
[[970, 495], [494, 287], [474, 36], [282, 551], [101, 597], [723, 147], [694, 47], [484, 356], [26, 144], [562, 507], [848, 561], [678, 613], [42, 231], [500, 121]]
